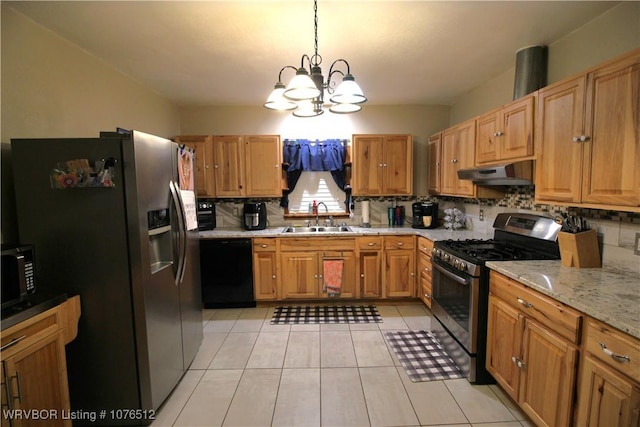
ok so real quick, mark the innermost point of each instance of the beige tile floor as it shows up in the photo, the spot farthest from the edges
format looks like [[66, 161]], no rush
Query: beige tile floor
[[251, 373]]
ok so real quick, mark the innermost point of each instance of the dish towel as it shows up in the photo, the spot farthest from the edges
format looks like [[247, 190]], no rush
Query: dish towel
[[332, 272]]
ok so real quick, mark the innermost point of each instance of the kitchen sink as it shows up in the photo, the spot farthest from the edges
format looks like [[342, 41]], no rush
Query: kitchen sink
[[318, 229]]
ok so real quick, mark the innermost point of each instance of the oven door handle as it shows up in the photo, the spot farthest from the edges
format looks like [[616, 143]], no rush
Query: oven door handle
[[452, 276]]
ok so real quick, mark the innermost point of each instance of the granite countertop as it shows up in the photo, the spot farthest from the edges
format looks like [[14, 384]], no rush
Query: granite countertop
[[608, 295], [433, 234]]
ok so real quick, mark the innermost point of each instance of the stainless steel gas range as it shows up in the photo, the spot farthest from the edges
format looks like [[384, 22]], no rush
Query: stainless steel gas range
[[461, 283]]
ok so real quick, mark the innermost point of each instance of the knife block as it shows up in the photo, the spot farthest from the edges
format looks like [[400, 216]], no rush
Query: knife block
[[580, 250]]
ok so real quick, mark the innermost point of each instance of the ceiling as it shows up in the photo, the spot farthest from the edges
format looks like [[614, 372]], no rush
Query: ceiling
[[230, 52]]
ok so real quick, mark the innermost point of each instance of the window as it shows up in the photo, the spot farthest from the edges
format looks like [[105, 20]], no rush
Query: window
[[318, 186]]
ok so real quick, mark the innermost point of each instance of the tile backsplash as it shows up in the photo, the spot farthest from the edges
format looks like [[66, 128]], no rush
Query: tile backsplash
[[616, 230]]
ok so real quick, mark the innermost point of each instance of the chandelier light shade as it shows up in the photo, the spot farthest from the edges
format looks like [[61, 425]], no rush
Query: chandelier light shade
[[305, 93]]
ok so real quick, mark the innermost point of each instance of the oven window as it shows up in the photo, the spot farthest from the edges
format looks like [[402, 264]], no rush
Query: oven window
[[453, 296]]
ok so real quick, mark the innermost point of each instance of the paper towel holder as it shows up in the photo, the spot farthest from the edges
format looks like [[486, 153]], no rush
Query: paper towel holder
[[365, 214]]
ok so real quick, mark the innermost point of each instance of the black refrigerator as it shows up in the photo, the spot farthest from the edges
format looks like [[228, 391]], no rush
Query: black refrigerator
[[111, 220]]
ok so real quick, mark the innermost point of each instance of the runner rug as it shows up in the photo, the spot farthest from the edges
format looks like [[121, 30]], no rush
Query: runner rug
[[326, 314], [422, 356]]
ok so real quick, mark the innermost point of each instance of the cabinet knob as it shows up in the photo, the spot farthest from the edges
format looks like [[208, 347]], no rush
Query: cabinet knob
[[581, 138], [427, 269], [273, 277], [427, 296], [454, 160], [519, 363], [380, 165], [362, 275], [264, 245], [400, 243], [215, 166]]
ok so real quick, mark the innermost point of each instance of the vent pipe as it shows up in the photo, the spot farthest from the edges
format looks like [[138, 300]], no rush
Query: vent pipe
[[531, 70]]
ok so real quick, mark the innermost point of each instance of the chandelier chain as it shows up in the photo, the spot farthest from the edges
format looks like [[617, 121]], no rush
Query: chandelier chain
[[315, 29]]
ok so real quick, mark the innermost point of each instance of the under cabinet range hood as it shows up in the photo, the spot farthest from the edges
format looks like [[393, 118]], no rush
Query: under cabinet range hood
[[518, 173]]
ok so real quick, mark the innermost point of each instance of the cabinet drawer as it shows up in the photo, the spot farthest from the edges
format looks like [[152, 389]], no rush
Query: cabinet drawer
[[425, 246], [317, 244], [424, 266], [369, 243], [29, 331], [615, 343], [561, 319], [262, 244], [398, 242], [425, 295]]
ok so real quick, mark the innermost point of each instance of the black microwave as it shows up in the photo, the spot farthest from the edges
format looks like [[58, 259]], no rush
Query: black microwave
[[18, 273]]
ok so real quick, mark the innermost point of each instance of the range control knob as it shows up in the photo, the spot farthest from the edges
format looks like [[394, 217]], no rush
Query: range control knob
[[446, 257], [462, 266], [456, 263]]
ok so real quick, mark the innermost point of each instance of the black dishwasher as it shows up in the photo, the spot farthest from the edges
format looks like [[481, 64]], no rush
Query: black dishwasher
[[226, 268]]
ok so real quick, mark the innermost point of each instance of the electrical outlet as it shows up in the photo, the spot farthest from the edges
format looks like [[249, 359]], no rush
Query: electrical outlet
[[235, 212], [481, 215], [636, 245]]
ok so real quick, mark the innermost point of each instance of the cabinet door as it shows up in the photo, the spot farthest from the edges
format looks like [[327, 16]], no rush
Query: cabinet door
[[449, 160], [349, 282], [203, 146], [612, 152], [37, 379], [228, 154], [397, 164], [435, 163], [367, 165], [299, 274], [560, 119], [465, 155], [399, 273], [504, 334], [425, 274], [606, 398], [516, 135], [263, 171], [548, 376], [370, 274], [487, 149], [265, 281]]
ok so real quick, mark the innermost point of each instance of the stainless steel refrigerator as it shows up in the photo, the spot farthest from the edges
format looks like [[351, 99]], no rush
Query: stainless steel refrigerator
[[107, 222]]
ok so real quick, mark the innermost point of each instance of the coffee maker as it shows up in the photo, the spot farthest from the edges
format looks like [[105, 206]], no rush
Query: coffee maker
[[254, 216], [425, 215]]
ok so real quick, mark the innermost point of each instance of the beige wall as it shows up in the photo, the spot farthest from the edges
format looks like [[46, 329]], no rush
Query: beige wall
[[51, 87], [417, 120], [610, 34]]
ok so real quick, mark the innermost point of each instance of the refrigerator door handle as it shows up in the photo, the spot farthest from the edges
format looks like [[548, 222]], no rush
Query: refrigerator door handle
[[181, 232]]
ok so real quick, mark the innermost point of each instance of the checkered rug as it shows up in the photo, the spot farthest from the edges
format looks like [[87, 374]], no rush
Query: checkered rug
[[326, 314], [422, 356]]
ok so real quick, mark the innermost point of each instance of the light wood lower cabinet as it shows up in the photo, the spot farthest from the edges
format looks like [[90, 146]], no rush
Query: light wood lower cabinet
[[302, 265], [400, 266], [425, 270], [370, 266], [609, 387], [265, 269], [532, 350], [34, 369]]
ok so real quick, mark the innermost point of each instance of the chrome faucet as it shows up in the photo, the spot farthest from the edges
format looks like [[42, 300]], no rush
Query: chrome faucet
[[326, 209]]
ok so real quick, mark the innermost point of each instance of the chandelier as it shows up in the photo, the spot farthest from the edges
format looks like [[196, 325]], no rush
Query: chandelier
[[305, 93]]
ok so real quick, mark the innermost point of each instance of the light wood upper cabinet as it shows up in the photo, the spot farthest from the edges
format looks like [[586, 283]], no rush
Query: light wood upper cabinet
[[435, 163], [263, 166], [382, 165], [588, 137], [506, 133], [458, 152], [246, 166], [204, 177], [228, 159]]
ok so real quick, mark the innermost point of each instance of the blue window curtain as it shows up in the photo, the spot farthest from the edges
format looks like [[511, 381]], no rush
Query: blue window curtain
[[319, 156]]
